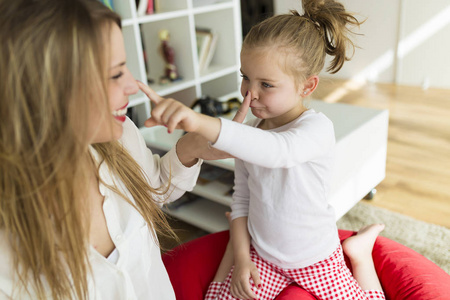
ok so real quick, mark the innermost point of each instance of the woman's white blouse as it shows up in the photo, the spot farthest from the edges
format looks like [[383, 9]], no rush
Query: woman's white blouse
[[134, 270]]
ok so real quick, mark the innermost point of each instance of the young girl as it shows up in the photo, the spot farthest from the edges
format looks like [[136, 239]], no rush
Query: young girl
[[283, 229]]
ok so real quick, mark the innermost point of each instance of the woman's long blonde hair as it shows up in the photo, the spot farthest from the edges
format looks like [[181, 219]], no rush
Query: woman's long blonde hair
[[52, 58], [307, 38]]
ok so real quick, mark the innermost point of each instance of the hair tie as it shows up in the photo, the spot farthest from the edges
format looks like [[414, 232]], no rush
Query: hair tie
[[316, 24]]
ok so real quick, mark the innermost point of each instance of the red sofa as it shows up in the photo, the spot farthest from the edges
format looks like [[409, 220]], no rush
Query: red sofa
[[404, 273]]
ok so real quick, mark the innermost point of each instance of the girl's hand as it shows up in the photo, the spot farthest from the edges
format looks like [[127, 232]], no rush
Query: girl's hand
[[239, 117], [240, 280], [170, 112], [242, 111]]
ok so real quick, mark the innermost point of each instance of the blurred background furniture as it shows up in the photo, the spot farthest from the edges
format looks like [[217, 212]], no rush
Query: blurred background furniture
[[361, 144]]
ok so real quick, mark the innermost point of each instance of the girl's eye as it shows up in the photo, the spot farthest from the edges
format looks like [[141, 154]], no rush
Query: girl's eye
[[117, 76], [244, 77], [266, 85]]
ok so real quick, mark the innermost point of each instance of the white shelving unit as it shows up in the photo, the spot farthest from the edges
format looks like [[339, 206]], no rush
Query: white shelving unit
[[220, 80], [180, 18]]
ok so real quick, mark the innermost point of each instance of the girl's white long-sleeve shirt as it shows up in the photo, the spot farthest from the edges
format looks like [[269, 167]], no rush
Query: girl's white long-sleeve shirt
[[282, 180], [135, 269]]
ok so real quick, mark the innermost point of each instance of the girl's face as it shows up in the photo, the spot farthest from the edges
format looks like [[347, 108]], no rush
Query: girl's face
[[276, 97], [108, 126]]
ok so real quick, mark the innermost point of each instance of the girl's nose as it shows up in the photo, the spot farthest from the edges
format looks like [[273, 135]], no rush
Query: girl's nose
[[254, 95], [254, 92]]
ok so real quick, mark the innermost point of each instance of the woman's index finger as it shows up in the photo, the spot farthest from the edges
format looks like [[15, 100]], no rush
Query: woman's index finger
[[151, 94]]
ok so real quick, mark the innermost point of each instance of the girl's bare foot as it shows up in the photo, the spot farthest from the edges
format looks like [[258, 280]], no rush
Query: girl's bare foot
[[359, 247]]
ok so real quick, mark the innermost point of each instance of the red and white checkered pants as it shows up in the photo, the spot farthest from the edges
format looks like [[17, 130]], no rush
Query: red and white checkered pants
[[327, 279]]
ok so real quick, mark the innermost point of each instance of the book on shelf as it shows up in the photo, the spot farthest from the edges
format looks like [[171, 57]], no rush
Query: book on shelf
[[146, 7], [108, 3], [150, 7], [206, 46]]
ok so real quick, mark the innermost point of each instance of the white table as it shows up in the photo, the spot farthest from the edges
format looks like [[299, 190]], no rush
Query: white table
[[361, 144]]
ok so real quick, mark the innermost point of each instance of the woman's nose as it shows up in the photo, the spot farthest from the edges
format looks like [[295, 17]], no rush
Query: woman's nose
[[131, 86]]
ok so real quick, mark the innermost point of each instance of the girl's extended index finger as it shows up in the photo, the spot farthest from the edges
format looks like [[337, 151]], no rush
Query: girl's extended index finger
[[242, 112], [151, 94]]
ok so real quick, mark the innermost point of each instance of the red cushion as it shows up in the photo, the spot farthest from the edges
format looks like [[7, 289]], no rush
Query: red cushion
[[192, 266], [404, 274], [294, 292]]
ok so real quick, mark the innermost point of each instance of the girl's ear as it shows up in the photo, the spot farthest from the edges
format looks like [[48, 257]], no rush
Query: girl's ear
[[309, 85]]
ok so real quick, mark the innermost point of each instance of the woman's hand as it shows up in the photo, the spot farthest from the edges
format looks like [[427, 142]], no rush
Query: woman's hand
[[244, 270], [170, 112], [192, 146]]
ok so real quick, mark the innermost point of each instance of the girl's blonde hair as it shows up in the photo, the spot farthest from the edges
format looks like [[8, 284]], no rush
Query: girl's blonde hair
[[306, 39], [53, 59]]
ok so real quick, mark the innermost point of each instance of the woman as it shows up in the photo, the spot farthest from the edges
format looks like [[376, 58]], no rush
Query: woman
[[80, 192]]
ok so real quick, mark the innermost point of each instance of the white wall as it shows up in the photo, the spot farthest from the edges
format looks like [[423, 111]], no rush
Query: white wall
[[403, 41], [424, 46]]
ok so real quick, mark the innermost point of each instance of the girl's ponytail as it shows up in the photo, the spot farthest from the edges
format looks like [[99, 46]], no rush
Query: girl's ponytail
[[305, 40], [332, 20]]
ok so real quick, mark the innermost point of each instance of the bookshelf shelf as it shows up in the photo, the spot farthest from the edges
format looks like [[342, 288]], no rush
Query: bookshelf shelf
[[128, 22], [162, 16], [213, 7], [172, 87], [203, 213], [216, 71], [214, 191]]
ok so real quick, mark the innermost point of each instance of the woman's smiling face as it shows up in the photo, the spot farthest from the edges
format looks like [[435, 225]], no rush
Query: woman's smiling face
[[108, 126]]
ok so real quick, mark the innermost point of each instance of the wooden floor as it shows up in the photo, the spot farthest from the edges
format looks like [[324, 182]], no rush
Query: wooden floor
[[417, 180]]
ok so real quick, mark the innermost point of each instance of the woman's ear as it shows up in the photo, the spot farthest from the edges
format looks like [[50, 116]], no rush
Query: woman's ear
[[309, 85]]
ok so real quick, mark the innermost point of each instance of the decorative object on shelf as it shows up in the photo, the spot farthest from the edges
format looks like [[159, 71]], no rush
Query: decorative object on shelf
[[167, 52], [213, 107], [206, 46]]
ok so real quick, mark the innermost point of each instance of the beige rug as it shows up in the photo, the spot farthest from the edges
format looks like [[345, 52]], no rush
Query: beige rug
[[432, 241]]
